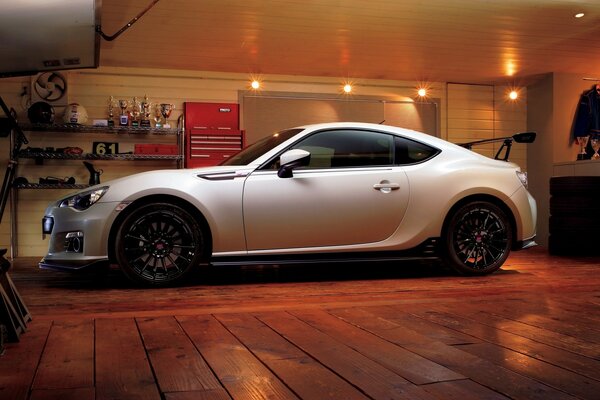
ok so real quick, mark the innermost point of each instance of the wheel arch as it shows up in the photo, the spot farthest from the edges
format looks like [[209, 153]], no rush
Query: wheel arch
[[187, 206], [483, 197]]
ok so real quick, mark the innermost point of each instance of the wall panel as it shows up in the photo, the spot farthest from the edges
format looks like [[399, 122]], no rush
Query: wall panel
[[478, 112]]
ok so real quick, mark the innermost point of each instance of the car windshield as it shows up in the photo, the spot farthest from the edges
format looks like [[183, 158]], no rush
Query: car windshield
[[259, 148]]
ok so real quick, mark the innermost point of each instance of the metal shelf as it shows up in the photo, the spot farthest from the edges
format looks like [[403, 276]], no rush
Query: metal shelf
[[87, 132], [74, 128], [89, 156], [51, 186]]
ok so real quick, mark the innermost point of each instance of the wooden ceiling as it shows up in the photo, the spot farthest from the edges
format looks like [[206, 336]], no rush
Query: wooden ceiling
[[470, 41]]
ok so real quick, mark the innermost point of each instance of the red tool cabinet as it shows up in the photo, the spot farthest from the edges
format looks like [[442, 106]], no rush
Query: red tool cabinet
[[212, 133]]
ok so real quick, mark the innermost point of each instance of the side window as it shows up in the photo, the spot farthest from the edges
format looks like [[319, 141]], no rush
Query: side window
[[348, 148], [410, 152]]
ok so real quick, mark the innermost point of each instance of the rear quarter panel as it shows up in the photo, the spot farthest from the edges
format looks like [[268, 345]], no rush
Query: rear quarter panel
[[439, 184]]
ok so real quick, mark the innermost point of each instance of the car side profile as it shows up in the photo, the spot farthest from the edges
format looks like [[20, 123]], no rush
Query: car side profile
[[317, 193]]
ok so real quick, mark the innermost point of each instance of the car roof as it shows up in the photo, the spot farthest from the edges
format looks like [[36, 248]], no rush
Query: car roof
[[409, 133]]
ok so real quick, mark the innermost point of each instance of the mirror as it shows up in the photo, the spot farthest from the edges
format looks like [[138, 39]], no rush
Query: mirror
[[292, 159]]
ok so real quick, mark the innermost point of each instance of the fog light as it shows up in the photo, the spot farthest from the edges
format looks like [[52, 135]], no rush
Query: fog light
[[47, 225], [74, 242]]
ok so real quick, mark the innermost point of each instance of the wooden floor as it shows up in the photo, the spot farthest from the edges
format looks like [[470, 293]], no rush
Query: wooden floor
[[383, 331]]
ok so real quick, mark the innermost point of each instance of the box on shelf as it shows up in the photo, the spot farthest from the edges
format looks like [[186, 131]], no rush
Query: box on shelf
[[149, 148]]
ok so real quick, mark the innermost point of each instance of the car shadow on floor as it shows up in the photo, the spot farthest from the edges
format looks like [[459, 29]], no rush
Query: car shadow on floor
[[244, 274]]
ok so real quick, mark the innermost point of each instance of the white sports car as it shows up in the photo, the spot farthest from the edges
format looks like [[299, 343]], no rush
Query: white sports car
[[318, 193]]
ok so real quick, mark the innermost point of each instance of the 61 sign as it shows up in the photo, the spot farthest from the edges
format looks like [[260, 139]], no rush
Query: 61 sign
[[102, 148]]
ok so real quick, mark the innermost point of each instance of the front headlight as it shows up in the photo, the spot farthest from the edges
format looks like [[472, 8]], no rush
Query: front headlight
[[523, 178], [84, 200]]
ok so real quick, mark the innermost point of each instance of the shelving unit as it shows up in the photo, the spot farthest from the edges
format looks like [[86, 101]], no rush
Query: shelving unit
[[97, 129], [89, 156], [79, 134]]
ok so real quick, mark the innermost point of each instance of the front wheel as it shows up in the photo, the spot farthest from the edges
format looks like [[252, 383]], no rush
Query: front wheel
[[159, 244], [478, 238]]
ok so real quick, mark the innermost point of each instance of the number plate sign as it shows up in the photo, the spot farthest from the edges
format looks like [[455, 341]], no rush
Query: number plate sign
[[102, 148]]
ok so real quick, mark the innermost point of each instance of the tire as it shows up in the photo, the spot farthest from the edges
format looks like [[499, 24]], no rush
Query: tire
[[159, 244], [477, 239], [575, 186], [560, 244], [574, 225], [574, 205]]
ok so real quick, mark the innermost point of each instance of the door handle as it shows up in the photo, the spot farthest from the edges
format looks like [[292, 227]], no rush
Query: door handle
[[386, 187]]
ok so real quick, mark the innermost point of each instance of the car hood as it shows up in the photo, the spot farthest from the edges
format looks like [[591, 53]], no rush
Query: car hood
[[166, 181]]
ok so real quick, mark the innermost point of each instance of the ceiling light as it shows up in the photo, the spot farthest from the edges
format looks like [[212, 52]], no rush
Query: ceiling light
[[579, 15]]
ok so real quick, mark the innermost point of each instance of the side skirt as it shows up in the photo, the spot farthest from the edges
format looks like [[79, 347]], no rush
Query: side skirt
[[428, 250]]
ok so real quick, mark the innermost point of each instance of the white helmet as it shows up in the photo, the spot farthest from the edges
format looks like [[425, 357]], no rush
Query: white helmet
[[75, 114]]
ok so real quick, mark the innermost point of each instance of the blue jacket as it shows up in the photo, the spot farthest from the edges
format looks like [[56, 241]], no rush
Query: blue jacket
[[587, 116]]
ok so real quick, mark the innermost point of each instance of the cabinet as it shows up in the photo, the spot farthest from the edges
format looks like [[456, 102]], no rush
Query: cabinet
[[212, 133], [44, 157]]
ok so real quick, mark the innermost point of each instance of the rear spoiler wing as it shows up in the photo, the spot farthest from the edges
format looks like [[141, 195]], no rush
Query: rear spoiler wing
[[524, 137]]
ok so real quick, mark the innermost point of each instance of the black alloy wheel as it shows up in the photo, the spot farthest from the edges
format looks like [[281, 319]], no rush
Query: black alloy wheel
[[478, 238], [159, 244]]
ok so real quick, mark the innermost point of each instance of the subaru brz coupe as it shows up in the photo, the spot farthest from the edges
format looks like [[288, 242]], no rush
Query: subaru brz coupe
[[321, 193]]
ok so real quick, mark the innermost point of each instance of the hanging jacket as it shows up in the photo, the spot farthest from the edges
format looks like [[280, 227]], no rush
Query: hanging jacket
[[587, 115]]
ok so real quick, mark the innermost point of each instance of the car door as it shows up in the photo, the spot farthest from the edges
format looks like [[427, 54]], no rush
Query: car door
[[351, 193]]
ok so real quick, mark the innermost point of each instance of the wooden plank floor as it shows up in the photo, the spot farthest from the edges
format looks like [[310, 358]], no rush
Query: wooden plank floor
[[381, 331]]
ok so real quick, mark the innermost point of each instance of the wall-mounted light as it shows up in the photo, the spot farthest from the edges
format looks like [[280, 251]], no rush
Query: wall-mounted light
[[422, 92], [255, 84], [347, 88], [513, 95]]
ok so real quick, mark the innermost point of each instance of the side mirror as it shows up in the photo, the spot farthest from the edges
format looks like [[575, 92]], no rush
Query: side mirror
[[292, 159]]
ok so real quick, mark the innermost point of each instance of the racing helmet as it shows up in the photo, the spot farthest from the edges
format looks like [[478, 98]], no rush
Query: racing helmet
[[41, 113]]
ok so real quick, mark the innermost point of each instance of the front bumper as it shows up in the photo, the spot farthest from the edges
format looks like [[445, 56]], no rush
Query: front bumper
[[78, 240], [74, 265]]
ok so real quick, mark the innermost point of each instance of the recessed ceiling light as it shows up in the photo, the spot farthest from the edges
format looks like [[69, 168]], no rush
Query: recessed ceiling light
[[579, 15]]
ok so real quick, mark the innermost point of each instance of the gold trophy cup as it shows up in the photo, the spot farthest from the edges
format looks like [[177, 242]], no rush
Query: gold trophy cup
[[145, 122], [165, 111], [111, 111], [136, 111], [124, 117]]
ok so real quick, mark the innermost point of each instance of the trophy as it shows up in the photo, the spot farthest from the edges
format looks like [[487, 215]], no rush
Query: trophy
[[582, 141], [124, 117], [111, 113], [136, 111], [165, 111], [145, 122], [157, 117], [595, 142]]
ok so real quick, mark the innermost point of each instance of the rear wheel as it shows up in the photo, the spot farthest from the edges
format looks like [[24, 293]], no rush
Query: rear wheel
[[478, 238], [159, 244]]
